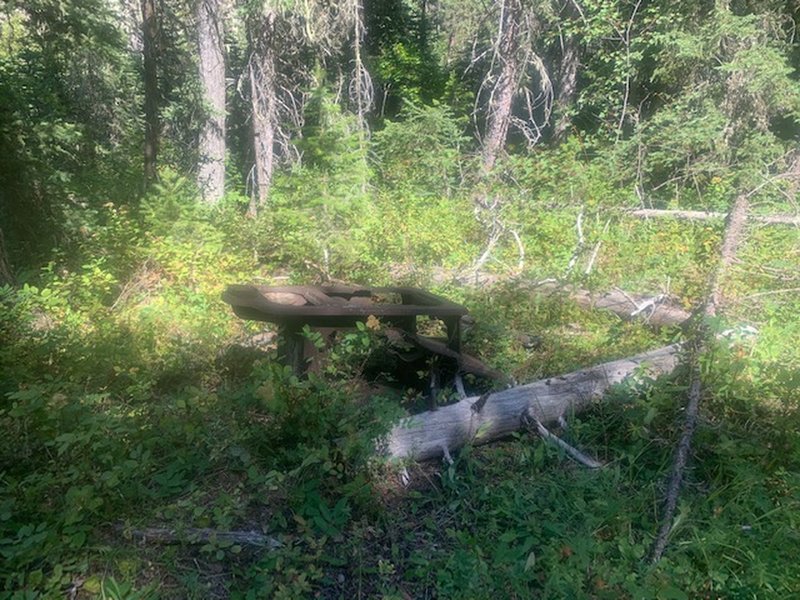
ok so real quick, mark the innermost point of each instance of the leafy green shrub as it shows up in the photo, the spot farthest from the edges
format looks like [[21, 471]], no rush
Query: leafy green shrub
[[422, 152]]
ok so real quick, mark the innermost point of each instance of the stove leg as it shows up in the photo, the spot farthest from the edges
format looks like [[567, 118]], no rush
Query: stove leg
[[292, 349]]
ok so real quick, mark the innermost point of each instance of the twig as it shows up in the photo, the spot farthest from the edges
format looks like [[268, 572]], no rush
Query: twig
[[579, 245], [596, 250], [769, 293], [630, 299], [648, 303], [521, 248], [574, 453]]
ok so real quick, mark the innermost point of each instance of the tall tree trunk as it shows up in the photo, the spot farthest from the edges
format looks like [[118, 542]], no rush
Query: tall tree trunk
[[211, 168], [152, 128], [498, 116], [361, 92], [361, 89], [567, 83], [263, 104]]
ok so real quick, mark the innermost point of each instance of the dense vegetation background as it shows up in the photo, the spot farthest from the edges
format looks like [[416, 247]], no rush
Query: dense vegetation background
[[153, 152]]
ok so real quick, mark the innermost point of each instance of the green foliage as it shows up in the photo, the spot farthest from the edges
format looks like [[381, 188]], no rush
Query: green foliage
[[734, 81], [64, 131], [129, 398], [400, 40], [422, 151]]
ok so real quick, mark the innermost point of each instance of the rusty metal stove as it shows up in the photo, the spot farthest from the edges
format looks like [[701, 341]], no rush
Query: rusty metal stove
[[293, 307]]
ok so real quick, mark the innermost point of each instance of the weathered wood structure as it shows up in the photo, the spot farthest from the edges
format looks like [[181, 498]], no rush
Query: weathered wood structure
[[294, 307]]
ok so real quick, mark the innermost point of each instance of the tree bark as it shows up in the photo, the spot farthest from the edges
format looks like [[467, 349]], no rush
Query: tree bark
[[211, 168], [6, 276], [567, 79], [734, 231], [479, 420], [263, 106], [567, 86], [152, 128], [498, 115]]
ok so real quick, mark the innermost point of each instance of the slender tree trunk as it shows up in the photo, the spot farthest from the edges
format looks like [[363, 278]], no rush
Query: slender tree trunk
[[567, 86], [211, 168], [567, 80], [263, 105], [152, 128], [361, 92], [6, 277], [361, 88], [500, 103]]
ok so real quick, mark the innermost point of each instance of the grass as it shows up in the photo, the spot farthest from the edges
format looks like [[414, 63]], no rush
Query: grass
[[128, 413]]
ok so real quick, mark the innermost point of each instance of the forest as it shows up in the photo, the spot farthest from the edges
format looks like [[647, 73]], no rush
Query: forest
[[608, 187]]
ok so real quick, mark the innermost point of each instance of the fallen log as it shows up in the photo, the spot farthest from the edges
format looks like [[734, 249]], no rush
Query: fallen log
[[701, 215], [478, 420], [163, 535], [655, 310]]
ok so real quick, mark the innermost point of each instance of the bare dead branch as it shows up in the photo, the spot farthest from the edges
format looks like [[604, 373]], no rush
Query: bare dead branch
[[572, 452], [698, 345]]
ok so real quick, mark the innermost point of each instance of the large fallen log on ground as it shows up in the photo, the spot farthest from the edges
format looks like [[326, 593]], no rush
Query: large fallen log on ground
[[163, 535], [655, 310], [481, 419], [701, 215]]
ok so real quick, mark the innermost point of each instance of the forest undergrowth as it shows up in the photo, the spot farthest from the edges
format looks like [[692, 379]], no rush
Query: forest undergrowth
[[133, 400], [154, 445]]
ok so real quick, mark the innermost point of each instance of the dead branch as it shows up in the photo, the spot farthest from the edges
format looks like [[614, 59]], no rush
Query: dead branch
[[698, 345], [770, 293], [579, 245], [654, 309], [596, 249], [572, 452]]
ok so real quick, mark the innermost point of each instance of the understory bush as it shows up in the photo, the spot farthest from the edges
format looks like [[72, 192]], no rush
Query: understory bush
[[133, 398]]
